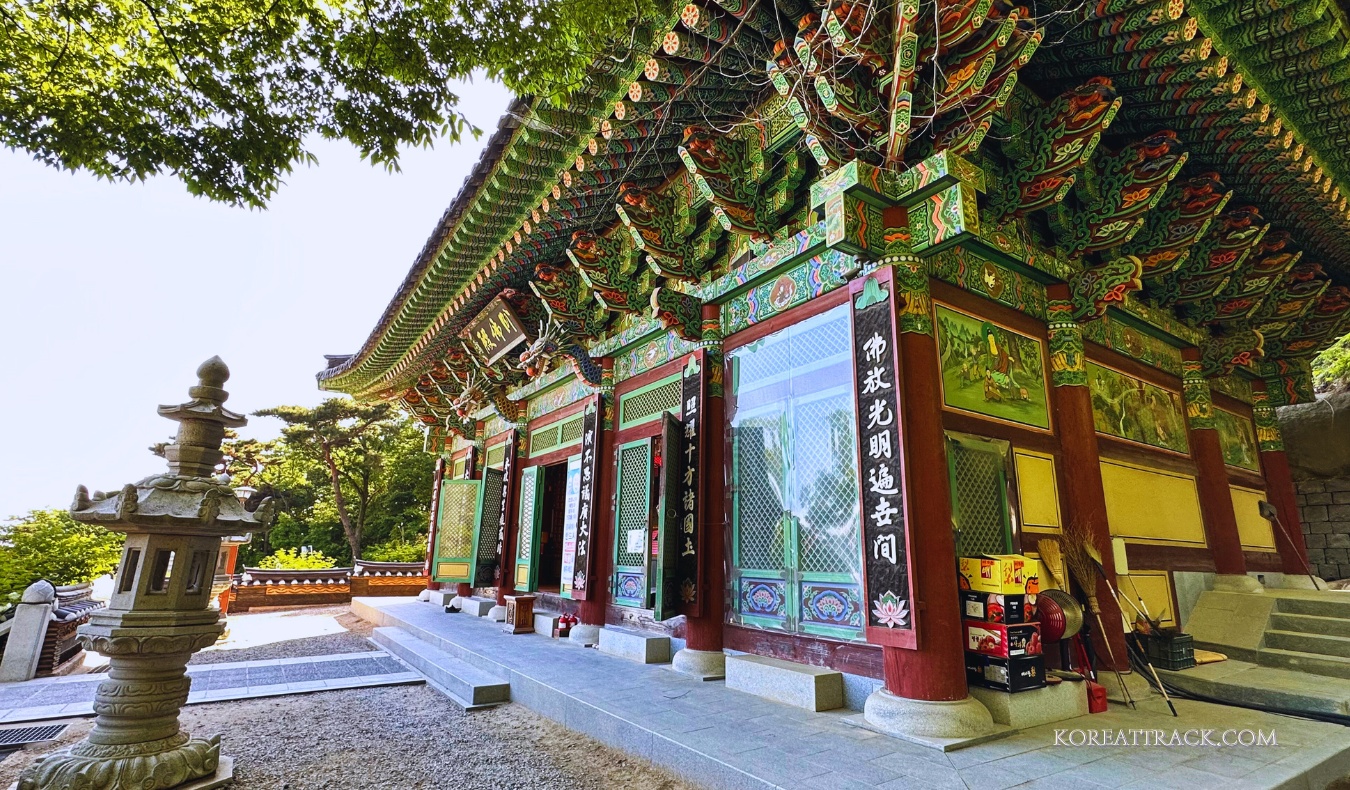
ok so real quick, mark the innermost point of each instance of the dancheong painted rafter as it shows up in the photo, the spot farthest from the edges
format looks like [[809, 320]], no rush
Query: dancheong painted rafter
[[1207, 139]]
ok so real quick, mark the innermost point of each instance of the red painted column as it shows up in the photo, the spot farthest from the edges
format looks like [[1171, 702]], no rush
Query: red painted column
[[435, 510], [935, 671], [1216, 499], [1080, 471], [592, 610], [705, 632], [1279, 484]]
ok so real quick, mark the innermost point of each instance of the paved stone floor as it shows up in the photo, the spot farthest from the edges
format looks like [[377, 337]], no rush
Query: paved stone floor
[[51, 698], [718, 737]]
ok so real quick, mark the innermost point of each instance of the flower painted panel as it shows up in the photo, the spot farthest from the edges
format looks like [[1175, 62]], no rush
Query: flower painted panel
[[1237, 440], [837, 605], [1132, 409], [990, 370], [763, 597]]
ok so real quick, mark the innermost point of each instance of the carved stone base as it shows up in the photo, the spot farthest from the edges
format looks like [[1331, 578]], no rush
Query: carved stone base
[[176, 762]]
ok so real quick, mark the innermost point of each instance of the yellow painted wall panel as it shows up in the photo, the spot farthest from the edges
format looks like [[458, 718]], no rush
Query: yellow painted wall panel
[[1155, 588], [1151, 505], [452, 570], [1254, 532], [1037, 491]]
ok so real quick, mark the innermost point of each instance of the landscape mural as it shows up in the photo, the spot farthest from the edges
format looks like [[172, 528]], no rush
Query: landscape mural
[[1128, 408], [990, 370], [1237, 439]]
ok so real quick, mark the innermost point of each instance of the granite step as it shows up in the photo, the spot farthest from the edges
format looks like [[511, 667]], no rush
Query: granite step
[[1314, 663], [1320, 607], [1243, 683], [1310, 624], [469, 687], [1320, 644]]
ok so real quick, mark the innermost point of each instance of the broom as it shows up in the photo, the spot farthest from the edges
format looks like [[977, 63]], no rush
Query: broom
[[1096, 558], [1082, 569]]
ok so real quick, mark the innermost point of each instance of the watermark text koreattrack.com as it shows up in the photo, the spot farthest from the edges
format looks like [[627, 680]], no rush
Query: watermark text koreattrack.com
[[1198, 737]]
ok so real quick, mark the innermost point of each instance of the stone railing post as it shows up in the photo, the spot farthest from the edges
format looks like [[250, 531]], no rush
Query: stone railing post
[[27, 632]]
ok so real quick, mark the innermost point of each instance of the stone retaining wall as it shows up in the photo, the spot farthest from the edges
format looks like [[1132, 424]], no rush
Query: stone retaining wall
[[1324, 509]]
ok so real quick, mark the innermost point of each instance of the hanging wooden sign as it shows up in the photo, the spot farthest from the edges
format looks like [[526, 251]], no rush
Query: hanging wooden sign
[[494, 331], [887, 575], [690, 537], [590, 471]]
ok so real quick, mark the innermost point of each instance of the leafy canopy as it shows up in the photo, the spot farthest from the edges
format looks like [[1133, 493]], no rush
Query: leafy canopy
[[293, 560], [223, 94], [49, 544], [1331, 368]]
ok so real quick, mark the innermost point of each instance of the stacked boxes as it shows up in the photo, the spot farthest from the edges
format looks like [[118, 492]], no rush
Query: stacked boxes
[[1002, 639]]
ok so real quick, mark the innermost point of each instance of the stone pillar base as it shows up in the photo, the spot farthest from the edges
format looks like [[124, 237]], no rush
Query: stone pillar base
[[705, 664], [1234, 582], [180, 762], [497, 614], [584, 634], [901, 717]]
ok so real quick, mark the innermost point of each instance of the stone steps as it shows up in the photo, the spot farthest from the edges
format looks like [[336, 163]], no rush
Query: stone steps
[[468, 686], [1318, 607], [1247, 684], [801, 685], [1310, 624], [1334, 666], [1319, 644]]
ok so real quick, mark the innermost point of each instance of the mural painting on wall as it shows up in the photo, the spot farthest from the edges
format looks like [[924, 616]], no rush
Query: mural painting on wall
[[991, 370], [1237, 439], [1128, 408]]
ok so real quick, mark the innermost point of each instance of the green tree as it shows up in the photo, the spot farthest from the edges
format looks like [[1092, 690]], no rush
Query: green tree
[[1331, 368], [376, 479], [49, 544], [224, 94], [397, 551], [293, 560]]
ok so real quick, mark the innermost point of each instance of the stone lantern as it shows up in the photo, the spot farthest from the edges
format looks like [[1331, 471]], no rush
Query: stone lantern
[[159, 614]]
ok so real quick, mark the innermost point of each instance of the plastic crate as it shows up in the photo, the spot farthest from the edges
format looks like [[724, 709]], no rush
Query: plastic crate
[[1170, 650]]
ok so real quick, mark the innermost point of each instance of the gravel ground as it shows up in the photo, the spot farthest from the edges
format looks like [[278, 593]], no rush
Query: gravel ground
[[398, 736], [354, 639], [393, 736]]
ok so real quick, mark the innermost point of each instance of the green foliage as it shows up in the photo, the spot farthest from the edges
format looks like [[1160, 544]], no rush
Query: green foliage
[[1331, 368], [345, 476], [293, 560], [396, 551], [224, 94], [49, 544]]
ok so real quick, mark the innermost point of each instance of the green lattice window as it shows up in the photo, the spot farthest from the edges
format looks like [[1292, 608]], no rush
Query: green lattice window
[[796, 545], [457, 469], [528, 522], [459, 504], [631, 524], [495, 456], [489, 527], [981, 513], [649, 402], [556, 436]]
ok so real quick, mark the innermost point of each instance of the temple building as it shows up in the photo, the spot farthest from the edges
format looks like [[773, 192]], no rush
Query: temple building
[[792, 305]]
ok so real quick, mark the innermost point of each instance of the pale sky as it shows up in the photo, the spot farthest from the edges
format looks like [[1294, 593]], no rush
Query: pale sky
[[112, 294]]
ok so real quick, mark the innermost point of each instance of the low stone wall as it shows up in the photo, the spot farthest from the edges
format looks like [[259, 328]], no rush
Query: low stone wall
[[1324, 509], [258, 587]]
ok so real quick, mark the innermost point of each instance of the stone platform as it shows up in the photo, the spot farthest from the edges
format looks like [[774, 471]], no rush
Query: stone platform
[[718, 737]]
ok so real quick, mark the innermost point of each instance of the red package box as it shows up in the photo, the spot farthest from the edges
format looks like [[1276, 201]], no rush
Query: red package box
[[1003, 640]]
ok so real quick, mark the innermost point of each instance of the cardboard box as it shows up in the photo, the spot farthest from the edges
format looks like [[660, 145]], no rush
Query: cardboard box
[[1003, 640], [1005, 674], [994, 607], [1010, 574]]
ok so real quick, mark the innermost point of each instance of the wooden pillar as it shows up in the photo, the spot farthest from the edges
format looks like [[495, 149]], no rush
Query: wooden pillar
[[592, 610], [435, 511], [936, 670], [1279, 484], [1080, 471], [705, 631], [1216, 499]]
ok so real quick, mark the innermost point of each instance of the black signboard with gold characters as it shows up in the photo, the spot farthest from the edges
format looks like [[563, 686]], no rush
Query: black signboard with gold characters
[[494, 331]]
